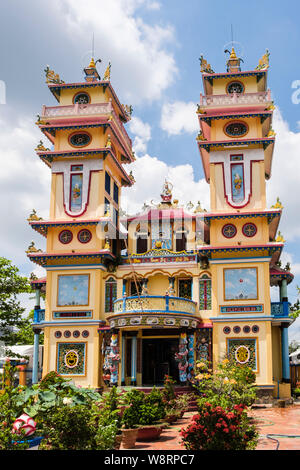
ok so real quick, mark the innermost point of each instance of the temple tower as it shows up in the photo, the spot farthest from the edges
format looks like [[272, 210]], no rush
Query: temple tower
[[89, 147], [236, 143]]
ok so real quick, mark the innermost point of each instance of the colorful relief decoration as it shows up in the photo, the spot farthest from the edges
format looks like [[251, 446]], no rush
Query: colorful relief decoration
[[76, 192], [203, 344], [185, 288], [114, 359], [181, 357], [161, 235], [205, 293], [240, 284], [191, 347], [237, 183], [73, 290], [243, 351], [162, 321], [242, 309], [71, 358], [67, 314]]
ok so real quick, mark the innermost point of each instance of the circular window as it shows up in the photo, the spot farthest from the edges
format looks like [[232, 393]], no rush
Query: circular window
[[226, 330], [249, 230], [85, 334], [255, 329], [67, 334], [236, 329], [235, 87], [57, 334], [80, 139], [229, 231], [84, 236], [76, 334], [82, 98], [65, 237], [246, 329], [236, 129]]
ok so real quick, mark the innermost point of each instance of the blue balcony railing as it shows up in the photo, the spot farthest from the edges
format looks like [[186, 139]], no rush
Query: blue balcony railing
[[38, 315], [280, 309]]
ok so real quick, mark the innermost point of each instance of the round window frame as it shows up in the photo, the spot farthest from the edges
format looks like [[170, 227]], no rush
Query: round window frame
[[243, 232], [79, 146], [226, 330], [236, 330], [60, 234], [229, 225], [84, 230], [82, 93], [231, 83], [235, 136]]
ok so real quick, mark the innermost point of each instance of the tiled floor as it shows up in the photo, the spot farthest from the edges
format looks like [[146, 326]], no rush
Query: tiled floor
[[276, 422]]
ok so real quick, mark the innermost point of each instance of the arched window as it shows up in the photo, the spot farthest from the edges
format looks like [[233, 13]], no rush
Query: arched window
[[110, 294], [205, 293], [141, 239]]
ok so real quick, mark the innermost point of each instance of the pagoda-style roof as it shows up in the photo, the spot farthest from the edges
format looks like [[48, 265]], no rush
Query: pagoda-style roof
[[278, 274], [39, 283], [71, 258], [272, 250], [42, 226]]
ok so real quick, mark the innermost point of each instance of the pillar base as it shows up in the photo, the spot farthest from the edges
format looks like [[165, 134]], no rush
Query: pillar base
[[286, 381], [133, 383]]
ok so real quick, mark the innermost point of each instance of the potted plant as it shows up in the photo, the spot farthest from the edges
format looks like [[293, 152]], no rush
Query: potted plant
[[130, 419]]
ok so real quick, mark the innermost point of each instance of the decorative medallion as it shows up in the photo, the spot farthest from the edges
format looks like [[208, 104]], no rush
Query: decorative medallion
[[65, 236], [184, 322], [57, 334], [67, 334], [71, 358], [246, 329], [76, 334], [242, 354], [80, 139], [152, 321], [255, 329], [236, 129], [236, 330], [169, 321], [84, 236], [122, 322], [135, 321], [81, 98], [229, 231], [85, 334], [243, 351], [226, 330], [249, 230]]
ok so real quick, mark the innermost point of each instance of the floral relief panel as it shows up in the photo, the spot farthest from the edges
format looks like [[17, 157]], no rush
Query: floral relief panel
[[244, 352]]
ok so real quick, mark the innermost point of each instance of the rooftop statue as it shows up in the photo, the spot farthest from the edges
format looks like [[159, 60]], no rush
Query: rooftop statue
[[263, 63], [204, 66], [51, 76], [277, 205], [107, 72]]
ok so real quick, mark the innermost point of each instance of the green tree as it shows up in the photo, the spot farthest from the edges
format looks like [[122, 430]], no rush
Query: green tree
[[11, 285], [25, 334]]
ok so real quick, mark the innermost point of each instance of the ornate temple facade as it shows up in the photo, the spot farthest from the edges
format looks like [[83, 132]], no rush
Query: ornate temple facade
[[130, 299]]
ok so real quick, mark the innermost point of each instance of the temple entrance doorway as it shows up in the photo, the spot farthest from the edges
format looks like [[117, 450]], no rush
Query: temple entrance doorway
[[158, 357]]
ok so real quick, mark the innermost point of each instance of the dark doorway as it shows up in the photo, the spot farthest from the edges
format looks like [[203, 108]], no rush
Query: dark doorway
[[159, 360]]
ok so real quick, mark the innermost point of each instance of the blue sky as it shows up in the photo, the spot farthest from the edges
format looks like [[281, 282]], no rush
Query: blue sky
[[154, 47]]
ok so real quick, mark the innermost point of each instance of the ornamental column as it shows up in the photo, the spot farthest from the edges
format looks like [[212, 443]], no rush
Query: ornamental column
[[133, 359], [35, 366]]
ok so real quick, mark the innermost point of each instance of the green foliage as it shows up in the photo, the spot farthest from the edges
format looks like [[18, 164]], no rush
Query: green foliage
[[143, 409], [231, 384], [25, 333], [8, 411], [11, 285], [216, 428]]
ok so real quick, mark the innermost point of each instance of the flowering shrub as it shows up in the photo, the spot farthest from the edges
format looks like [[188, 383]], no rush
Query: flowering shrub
[[216, 428], [231, 384]]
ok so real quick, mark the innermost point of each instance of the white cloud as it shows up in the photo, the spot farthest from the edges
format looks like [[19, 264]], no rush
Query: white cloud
[[142, 67], [150, 173], [285, 180], [142, 132], [179, 117]]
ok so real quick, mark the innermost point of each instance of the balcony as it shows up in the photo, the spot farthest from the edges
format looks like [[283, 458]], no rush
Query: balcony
[[83, 110], [235, 99], [280, 309], [155, 304]]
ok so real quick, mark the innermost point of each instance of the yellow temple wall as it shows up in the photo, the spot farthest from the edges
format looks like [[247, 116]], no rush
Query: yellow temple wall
[[96, 95], [98, 139], [220, 85], [217, 238], [218, 126], [257, 199]]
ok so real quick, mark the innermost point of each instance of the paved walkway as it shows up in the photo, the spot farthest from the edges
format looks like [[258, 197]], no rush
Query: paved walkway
[[270, 421]]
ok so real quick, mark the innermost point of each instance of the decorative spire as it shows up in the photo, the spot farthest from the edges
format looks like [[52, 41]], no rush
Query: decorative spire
[[107, 72], [234, 62], [263, 63], [91, 73]]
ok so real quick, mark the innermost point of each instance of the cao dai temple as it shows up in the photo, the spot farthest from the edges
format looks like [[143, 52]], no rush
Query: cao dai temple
[[130, 299]]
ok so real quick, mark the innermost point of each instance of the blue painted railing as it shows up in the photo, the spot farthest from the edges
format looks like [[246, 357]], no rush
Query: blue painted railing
[[280, 309]]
